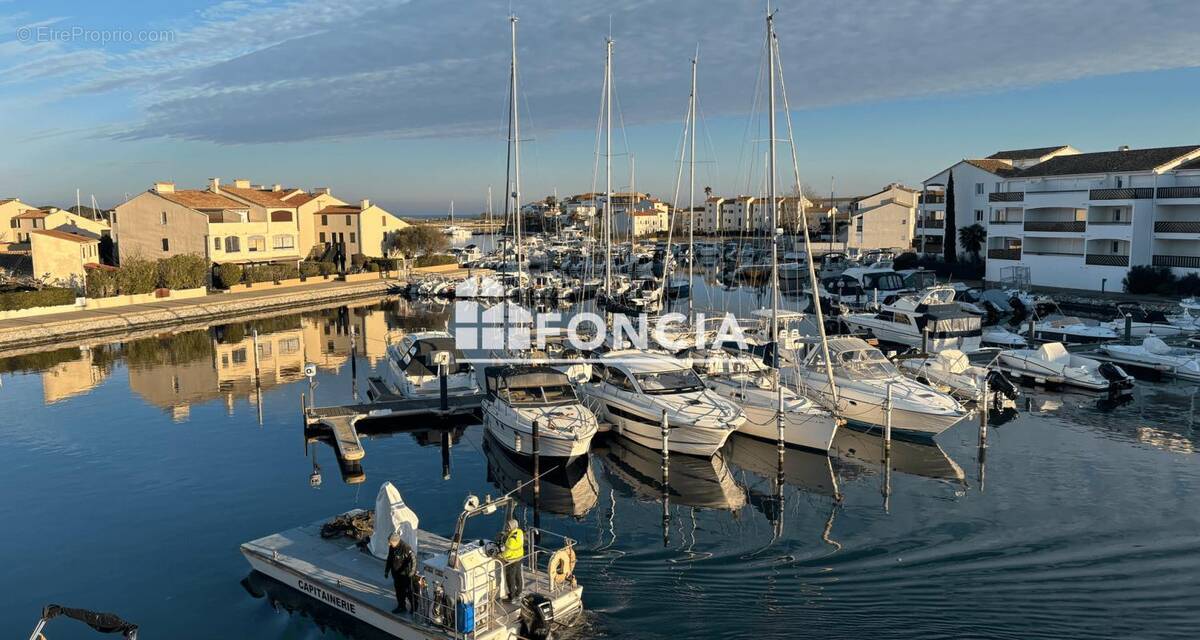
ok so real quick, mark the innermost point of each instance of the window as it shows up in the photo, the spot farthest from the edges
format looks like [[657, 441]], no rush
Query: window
[[321, 237], [283, 242], [264, 350], [979, 215], [324, 220], [347, 220], [1116, 246], [1116, 215], [15, 223], [232, 244], [978, 188], [858, 224], [166, 245], [288, 346], [239, 356], [383, 221], [1120, 182], [256, 243], [162, 218], [352, 237], [216, 244]]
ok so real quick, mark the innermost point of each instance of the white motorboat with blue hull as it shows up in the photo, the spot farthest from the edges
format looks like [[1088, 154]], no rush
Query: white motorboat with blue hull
[[519, 396]]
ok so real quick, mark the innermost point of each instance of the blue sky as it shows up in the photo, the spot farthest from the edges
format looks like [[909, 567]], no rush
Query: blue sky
[[403, 102]]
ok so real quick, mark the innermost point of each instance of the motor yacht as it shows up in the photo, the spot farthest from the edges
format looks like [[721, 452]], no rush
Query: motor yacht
[[518, 396], [1072, 331], [930, 319], [415, 362], [634, 390], [862, 376], [1051, 363]]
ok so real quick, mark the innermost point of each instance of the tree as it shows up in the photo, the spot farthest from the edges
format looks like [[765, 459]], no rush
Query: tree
[[972, 238], [949, 242], [419, 239]]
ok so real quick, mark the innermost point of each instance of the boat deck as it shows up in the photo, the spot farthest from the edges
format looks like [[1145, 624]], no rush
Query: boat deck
[[339, 574]]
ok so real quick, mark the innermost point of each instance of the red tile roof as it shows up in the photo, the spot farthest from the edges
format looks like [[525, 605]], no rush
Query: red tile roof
[[64, 235], [262, 197], [32, 213], [201, 200], [339, 209]]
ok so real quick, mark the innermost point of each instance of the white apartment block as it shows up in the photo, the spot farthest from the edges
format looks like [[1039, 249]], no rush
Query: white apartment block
[[1081, 220], [882, 220]]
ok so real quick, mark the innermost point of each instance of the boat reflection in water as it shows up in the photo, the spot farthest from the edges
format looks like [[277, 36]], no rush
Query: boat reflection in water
[[692, 481], [914, 458], [281, 596], [807, 471], [567, 489]]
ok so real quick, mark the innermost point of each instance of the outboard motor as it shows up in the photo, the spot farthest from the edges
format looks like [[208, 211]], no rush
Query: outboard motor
[[1019, 310], [537, 617], [1115, 375], [999, 383]]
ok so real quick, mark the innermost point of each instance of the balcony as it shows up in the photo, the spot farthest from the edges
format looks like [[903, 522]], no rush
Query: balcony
[[1007, 196], [1178, 192], [1177, 226], [933, 224], [1132, 193], [1067, 254], [932, 199], [1064, 226], [1004, 254], [1107, 260], [1189, 262], [1004, 221]]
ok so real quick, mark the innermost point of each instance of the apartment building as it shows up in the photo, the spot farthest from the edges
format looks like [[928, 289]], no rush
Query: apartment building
[[281, 204], [30, 220], [61, 257], [9, 209], [365, 229], [788, 212], [639, 223], [883, 220], [1081, 220], [709, 220]]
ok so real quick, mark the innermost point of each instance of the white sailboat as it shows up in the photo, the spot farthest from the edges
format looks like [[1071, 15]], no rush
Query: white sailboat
[[454, 231]]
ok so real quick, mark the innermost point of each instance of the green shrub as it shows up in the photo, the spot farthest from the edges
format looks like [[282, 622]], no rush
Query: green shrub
[[358, 260], [270, 272], [46, 297], [309, 269], [136, 276], [1147, 279], [185, 271], [229, 274], [387, 264], [434, 260], [231, 333], [286, 272], [1188, 285], [327, 268], [101, 283], [371, 266], [904, 261]]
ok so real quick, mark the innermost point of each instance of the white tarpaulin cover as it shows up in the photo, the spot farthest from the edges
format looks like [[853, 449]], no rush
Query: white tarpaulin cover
[[391, 514]]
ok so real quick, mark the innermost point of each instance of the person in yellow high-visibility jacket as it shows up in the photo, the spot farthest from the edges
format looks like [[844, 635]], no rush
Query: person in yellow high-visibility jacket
[[511, 553]]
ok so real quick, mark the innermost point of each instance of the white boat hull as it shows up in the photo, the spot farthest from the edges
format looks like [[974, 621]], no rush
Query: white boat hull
[[810, 430], [517, 437]]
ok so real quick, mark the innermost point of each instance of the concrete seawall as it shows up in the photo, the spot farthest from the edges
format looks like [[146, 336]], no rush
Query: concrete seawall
[[28, 333]]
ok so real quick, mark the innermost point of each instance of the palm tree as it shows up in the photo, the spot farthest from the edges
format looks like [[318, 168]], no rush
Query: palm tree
[[972, 238]]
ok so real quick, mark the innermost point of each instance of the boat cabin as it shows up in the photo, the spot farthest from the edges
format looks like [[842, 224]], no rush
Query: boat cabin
[[529, 385]]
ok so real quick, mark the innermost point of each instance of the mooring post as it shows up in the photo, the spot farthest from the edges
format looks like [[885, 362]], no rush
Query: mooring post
[[983, 414], [887, 422], [537, 482], [444, 387], [666, 450], [1032, 335], [925, 341], [254, 335], [666, 481], [1128, 328], [353, 363], [447, 441]]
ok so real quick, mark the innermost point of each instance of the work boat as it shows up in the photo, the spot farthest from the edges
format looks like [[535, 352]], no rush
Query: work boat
[[634, 390], [416, 363], [929, 319], [745, 380], [464, 587], [1072, 331], [1155, 355], [862, 376], [1051, 363], [518, 396]]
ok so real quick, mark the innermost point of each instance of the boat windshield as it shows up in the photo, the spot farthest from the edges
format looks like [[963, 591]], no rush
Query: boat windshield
[[866, 363], [885, 281], [665, 382], [541, 395]]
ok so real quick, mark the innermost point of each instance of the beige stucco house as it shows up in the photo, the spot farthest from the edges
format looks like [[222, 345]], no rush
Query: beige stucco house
[[59, 256], [31, 220], [882, 220], [10, 208], [366, 228]]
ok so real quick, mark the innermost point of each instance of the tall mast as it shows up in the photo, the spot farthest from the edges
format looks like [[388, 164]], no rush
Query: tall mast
[[608, 167], [772, 201], [516, 145], [691, 185]]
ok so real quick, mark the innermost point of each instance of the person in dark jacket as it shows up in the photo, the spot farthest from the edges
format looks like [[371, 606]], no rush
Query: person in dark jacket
[[401, 566]]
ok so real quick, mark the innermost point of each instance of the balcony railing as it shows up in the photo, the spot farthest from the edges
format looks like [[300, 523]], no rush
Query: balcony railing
[[1003, 221], [1179, 192], [1004, 254], [932, 199], [1192, 262], [1006, 196], [934, 224], [1132, 193], [1053, 253], [1064, 226], [1106, 260], [1124, 222], [1177, 226]]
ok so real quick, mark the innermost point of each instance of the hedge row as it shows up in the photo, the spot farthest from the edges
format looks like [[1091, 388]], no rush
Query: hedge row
[[1161, 281], [137, 276], [231, 274], [434, 260], [47, 297]]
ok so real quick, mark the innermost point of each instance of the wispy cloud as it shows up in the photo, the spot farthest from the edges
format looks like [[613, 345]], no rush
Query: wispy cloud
[[251, 71]]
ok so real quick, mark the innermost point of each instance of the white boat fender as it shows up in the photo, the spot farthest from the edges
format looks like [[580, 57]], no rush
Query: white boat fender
[[562, 565]]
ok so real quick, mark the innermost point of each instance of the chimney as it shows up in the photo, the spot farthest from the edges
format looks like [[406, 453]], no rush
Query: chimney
[[164, 187], [241, 183], [323, 190], [214, 185], [364, 204], [1123, 147], [276, 187]]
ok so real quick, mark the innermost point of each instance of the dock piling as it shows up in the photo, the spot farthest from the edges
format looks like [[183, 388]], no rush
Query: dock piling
[[443, 387], [257, 378], [983, 414], [666, 481], [353, 364], [1128, 328]]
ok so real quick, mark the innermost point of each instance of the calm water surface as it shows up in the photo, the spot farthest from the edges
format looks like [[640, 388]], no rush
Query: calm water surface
[[131, 472]]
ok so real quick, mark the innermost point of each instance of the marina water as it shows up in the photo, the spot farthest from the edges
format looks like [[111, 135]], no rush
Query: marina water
[[132, 471]]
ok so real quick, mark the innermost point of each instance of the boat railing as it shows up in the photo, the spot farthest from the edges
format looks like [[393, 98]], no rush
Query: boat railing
[[545, 549], [442, 611]]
